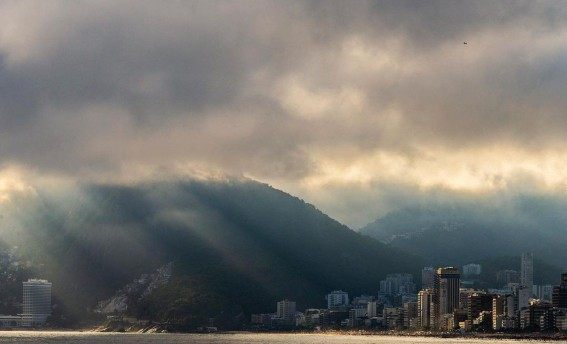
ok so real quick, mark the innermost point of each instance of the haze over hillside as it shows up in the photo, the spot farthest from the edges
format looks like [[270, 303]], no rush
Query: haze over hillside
[[234, 243], [464, 231]]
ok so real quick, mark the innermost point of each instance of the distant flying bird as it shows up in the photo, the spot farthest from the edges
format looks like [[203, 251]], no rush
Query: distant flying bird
[[465, 43]]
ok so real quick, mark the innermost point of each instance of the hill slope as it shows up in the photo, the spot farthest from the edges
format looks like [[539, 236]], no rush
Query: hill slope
[[464, 233], [235, 244]]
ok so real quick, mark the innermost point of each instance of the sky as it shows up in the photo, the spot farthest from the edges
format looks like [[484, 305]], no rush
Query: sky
[[359, 107]]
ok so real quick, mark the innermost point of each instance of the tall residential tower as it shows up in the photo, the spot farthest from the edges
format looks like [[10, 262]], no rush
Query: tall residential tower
[[445, 293], [527, 273], [559, 297], [36, 302]]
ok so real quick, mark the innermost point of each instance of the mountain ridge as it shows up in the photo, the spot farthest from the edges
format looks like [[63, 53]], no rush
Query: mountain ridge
[[237, 244], [445, 233]]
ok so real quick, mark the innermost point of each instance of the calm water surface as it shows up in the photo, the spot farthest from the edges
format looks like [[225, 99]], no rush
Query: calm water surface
[[86, 337]]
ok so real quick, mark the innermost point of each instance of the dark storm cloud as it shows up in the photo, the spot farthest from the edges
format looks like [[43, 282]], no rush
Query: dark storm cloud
[[281, 91]]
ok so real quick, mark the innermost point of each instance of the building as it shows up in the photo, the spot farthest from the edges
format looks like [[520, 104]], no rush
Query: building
[[561, 321], [505, 277], [36, 302], [262, 319], [10, 321], [559, 295], [337, 299], [479, 302], [427, 277], [464, 297], [445, 293], [312, 316], [472, 270], [360, 305], [543, 292], [394, 318], [531, 316], [483, 322], [424, 303], [410, 313], [524, 294], [372, 309], [353, 320], [510, 307], [334, 317], [527, 272], [397, 284], [447, 322], [547, 321], [362, 299], [285, 312], [504, 312], [497, 311]]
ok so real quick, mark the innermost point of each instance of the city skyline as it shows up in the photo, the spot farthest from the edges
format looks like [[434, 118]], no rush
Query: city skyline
[[446, 306]]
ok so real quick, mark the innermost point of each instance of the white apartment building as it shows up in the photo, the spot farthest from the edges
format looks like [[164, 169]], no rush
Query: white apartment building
[[36, 302]]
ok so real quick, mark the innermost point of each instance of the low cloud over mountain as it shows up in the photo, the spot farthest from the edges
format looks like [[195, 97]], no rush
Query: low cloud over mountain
[[313, 97]]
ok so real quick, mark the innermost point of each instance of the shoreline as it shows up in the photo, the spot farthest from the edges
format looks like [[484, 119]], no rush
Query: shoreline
[[555, 336], [558, 336]]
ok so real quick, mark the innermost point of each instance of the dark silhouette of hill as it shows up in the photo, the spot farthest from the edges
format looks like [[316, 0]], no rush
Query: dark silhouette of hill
[[237, 245], [463, 233]]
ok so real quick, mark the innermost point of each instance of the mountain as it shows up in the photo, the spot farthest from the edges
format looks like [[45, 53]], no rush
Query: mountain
[[237, 247], [13, 271], [462, 233]]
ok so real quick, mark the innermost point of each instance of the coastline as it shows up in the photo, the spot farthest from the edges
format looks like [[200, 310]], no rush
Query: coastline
[[556, 336], [559, 336], [551, 337]]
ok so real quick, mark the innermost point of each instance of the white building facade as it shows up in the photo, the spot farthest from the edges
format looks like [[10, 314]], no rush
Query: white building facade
[[36, 302]]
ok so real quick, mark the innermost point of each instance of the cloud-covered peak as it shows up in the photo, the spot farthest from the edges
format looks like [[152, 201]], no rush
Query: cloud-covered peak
[[312, 97]]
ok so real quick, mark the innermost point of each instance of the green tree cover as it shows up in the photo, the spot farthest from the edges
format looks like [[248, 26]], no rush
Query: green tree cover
[[238, 247], [463, 232]]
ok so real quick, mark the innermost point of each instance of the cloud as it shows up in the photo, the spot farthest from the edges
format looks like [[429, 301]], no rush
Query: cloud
[[304, 95]]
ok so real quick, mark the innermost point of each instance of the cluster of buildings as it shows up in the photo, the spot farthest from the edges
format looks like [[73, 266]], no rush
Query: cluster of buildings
[[36, 306], [518, 306], [443, 304]]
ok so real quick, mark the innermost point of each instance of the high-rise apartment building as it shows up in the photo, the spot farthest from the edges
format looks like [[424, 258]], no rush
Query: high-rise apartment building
[[424, 303], [479, 302], [505, 277], [497, 311], [559, 297], [527, 272], [427, 277], [36, 302], [543, 292], [504, 312], [472, 270], [286, 311], [397, 284], [372, 309], [445, 293], [524, 294], [337, 299]]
